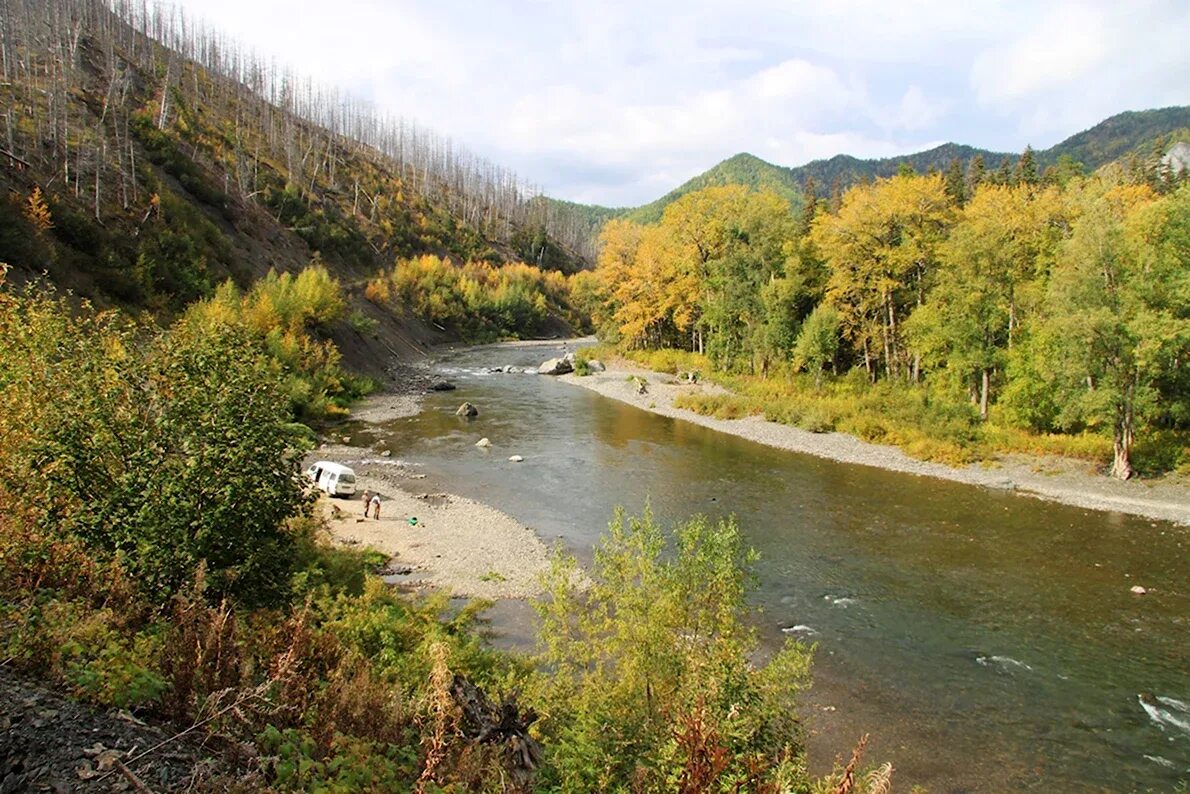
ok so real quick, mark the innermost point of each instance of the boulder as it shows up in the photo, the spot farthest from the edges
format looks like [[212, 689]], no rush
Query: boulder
[[483, 442], [468, 410], [515, 459], [595, 365], [442, 385], [556, 366], [1139, 590]]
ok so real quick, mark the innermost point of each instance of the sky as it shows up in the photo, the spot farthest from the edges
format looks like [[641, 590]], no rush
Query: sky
[[617, 103]]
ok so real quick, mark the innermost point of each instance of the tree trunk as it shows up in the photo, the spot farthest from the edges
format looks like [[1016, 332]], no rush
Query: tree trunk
[[984, 379], [1121, 467]]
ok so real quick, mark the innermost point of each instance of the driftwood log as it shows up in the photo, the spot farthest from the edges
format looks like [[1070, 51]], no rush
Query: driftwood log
[[503, 725]]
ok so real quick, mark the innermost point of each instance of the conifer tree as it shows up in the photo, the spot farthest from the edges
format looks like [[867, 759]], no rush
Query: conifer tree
[[956, 186], [976, 174], [1026, 167]]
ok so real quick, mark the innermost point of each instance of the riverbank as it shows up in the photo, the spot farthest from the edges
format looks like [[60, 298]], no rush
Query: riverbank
[[1055, 479], [437, 540]]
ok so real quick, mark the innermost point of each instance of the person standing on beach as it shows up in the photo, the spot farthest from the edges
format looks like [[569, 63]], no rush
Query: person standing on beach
[[375, 506], [367, 501]]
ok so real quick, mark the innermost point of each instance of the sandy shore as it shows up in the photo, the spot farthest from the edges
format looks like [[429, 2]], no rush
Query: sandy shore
[[455, 544], [1056, 479]]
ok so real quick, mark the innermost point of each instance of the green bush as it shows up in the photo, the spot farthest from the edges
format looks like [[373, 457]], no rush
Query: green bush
[[658, 646], [166, 454]]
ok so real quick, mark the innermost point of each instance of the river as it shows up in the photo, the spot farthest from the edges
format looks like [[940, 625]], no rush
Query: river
[[987, 641]]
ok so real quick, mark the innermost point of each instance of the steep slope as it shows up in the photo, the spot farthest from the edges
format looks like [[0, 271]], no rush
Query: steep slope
[[145, 161], [1118, 136]]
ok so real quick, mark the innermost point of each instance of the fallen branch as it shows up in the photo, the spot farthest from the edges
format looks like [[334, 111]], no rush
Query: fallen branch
[[12, 156], [131, 777]]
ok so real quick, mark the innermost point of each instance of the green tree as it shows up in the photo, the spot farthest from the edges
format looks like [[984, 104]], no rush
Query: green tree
[[818, 342], [956, 183], [976, 174], [990, 259], [1026, 168], [1118, 316], [166, 454]]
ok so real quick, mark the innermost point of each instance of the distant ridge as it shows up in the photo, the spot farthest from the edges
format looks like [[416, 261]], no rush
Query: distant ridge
[[1109, 140]]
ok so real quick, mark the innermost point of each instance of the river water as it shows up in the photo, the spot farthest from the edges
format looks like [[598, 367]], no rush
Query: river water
[[987, 641]]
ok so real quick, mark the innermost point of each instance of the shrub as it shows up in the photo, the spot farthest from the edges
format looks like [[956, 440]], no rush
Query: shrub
[[479, 300], [362, 323], [162, 455], [660, 641]]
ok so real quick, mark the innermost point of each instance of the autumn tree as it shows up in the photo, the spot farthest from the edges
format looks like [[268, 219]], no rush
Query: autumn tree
[[881, 249]]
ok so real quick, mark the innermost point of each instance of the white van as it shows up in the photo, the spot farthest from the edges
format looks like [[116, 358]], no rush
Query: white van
[[334, 478]]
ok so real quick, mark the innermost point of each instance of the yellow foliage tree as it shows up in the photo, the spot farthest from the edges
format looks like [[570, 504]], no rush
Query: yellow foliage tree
[[38, 212]]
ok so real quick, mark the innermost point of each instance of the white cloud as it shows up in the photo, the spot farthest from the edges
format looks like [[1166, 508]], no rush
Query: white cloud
[[915, 111], [620, 101], [1066, 44]]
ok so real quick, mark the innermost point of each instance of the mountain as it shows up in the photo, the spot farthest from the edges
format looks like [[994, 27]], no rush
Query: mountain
[[1118, 136], [1106, 142], [743, 169]]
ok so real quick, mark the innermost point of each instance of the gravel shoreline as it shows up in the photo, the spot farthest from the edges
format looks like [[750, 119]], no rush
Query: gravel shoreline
[[1055, 479], [437, 540]]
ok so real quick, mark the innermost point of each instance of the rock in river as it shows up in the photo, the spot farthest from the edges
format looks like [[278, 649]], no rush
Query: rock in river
[[515, 459], [468, 410], [442, 385], [483, 442]]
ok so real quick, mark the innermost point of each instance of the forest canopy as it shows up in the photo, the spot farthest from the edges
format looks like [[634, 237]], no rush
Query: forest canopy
[[1045, 303]]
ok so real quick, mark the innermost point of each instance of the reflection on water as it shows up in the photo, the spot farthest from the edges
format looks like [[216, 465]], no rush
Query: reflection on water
[[988, 641]]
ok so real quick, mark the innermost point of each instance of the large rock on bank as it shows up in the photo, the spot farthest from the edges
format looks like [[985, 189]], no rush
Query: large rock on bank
[[557, 366]]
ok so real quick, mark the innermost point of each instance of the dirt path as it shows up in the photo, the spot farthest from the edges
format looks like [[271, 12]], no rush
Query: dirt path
[[1056, 479]]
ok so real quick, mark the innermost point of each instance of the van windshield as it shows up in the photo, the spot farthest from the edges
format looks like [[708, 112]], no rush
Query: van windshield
[[347, 478]]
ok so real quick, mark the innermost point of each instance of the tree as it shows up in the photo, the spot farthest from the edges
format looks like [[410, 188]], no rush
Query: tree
[[956, 184], [989, 260], [976, 174], [1026, 168], [37, 212], [1118, 315], [881, 249], [165, 455], [659, 638], [818, 341]]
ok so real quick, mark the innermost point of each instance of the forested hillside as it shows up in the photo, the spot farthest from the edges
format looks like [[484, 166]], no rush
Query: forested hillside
[[957, 317], [742, 169], [1134, 133], [146, 159]]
